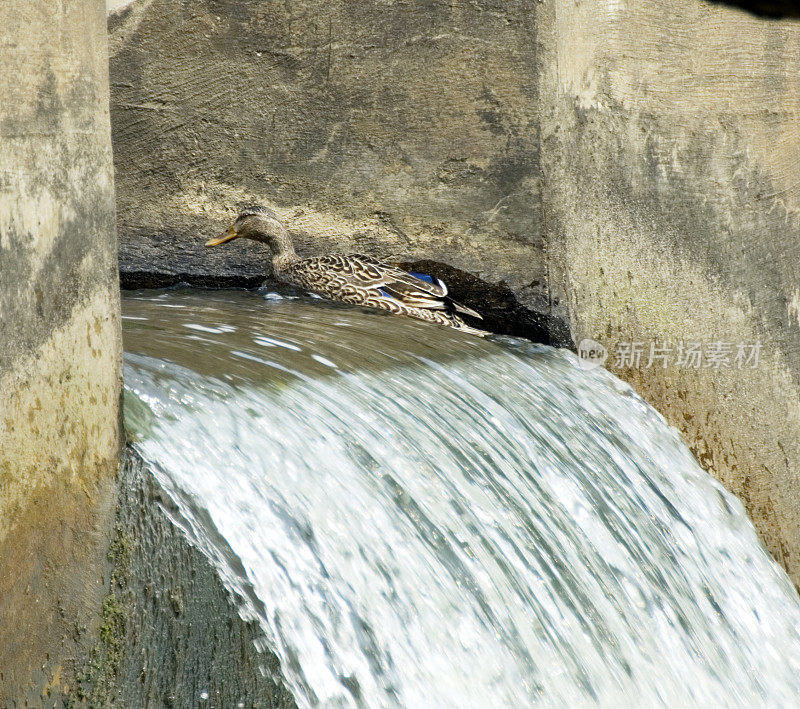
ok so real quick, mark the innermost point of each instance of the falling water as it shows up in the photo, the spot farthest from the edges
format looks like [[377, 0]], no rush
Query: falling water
[[418, 517]]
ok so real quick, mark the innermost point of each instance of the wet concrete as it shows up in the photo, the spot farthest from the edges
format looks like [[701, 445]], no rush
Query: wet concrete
[[170, 634], [767, 8]]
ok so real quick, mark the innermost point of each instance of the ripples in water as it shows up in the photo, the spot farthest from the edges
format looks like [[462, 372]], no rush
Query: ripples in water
[[418, 517]]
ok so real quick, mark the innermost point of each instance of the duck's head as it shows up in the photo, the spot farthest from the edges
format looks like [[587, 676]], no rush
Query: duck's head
[[257, 223]]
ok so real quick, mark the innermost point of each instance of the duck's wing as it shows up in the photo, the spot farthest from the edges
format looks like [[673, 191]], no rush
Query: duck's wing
[[417, 290]]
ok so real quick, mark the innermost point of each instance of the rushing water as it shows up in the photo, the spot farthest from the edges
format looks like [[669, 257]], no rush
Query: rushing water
[[422, 518]]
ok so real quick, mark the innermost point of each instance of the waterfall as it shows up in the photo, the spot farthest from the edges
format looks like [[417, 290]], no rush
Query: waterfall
[[421, 518]]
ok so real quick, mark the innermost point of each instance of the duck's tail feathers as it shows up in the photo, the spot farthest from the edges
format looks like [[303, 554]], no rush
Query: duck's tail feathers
[[458, 308]]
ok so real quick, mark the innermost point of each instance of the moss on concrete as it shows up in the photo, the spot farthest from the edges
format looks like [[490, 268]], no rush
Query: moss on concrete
[[95, 681], [168, 629]]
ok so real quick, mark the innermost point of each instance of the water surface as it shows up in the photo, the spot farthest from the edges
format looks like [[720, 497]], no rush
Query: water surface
[[417, 517]]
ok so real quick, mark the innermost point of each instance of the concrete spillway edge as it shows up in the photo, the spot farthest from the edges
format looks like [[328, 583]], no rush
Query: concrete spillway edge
[[170, 632]]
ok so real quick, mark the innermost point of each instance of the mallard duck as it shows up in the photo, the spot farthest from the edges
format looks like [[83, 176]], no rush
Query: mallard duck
[[350, 278]]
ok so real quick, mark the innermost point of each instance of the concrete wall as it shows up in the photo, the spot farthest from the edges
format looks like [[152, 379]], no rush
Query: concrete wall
[[633, 166], [671, 168], [59, 335], [403, 129]]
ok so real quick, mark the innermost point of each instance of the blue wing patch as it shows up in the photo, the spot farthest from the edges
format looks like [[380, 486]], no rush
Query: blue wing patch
[[384, 293], [424, 277]]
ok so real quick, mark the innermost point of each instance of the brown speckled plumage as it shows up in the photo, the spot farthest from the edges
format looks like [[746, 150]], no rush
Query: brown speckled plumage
[[350, 278]]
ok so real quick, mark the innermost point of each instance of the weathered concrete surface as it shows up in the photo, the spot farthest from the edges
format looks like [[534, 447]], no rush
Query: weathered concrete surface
[[170, 632], [405, 129], [59, 335], [671, 165], [637, 164]]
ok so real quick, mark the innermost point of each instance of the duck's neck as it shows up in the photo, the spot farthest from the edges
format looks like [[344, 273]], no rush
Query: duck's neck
[[283, 253]]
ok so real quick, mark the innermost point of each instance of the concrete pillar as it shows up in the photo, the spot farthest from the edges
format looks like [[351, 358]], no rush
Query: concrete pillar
[[671, 168], [59, 335]]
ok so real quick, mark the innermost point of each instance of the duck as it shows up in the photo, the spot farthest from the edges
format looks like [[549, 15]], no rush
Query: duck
[[356, 279]]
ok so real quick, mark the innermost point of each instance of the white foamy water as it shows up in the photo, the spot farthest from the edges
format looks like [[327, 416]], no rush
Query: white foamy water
[[426, 519]]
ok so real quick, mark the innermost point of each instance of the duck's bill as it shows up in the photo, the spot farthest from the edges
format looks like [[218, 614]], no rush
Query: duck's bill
[[222, 238]]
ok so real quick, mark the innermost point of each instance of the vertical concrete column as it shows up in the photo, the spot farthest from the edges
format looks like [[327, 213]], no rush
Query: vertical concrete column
[[59, 334], [671, 165]]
